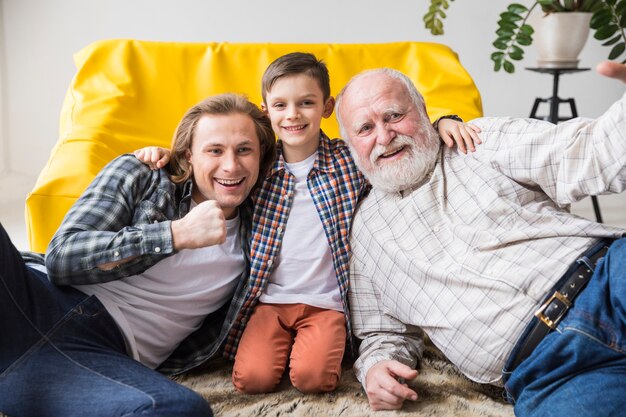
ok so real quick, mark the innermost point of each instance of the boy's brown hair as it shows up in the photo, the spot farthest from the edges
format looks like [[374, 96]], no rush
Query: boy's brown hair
[[293, 64]]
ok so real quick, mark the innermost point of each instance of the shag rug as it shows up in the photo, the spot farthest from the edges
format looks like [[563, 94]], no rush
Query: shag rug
[[442, 392]]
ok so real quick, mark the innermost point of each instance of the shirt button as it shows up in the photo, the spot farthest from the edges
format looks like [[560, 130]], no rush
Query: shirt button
[[436, 229], [116, 253], [279, 230], [157, 249], [270, 262]]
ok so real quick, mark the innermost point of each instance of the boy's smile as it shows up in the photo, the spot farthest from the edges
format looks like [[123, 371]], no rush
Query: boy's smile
[[294, 128], [295, 105]]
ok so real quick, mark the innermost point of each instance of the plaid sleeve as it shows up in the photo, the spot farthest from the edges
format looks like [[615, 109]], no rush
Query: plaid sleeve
[[568, 161], [383, 336], [105, 225]]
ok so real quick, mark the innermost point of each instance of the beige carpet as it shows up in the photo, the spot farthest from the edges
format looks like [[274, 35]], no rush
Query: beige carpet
[[442, 392]]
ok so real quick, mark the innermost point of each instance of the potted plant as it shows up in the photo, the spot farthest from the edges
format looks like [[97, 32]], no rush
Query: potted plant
[[607, 19]]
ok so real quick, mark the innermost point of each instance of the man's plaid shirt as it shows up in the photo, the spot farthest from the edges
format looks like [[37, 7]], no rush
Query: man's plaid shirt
[[127, 212], [336, 185]]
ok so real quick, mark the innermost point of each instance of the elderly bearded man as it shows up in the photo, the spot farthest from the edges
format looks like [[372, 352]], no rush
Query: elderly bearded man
[[480, 252]]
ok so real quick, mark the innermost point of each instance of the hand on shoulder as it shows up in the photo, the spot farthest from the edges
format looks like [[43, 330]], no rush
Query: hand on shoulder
[[153, 156], [464, 135]]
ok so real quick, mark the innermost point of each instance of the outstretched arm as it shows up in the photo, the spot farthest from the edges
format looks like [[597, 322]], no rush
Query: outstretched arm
[[569, 161]]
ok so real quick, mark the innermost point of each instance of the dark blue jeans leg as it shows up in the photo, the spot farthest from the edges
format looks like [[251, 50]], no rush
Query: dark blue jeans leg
[[580, 369], [61, 354], [30, 306]]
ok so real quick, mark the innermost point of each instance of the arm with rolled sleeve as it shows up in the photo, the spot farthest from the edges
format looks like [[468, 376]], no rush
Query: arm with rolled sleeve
[[121, 219], [383, 336], [568, 161]]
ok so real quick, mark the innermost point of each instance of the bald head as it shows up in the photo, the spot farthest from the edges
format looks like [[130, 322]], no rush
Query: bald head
[[363, 86], [383, 118]]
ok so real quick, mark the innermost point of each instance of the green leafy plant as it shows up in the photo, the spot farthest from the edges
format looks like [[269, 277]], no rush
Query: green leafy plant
[[433, 19], [514, 33]]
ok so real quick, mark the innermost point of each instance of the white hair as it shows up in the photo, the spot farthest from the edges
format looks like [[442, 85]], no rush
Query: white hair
[[421, 155], [416, 98]]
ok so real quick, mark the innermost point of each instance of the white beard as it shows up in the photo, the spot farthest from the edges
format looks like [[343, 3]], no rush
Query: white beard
[[406, 172]]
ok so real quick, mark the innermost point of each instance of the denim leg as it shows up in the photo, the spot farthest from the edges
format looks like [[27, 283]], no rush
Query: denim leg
[[30, 306], [63, 382], [61, 354], [580, 369]]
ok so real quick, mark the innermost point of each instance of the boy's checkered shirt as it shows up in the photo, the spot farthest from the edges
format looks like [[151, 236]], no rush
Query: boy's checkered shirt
[[336, 185]]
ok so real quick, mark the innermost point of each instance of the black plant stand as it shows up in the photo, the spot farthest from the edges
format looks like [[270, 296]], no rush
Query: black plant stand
[[554, 117]]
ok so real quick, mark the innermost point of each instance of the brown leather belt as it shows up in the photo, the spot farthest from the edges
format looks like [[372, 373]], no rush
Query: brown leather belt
[[559, 302]]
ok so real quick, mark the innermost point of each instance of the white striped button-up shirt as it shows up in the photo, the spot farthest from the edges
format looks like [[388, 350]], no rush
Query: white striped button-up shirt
[[468, 254]]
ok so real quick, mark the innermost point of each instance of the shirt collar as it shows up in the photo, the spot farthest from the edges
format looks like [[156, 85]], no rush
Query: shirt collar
[[185, 189], [323, 163]]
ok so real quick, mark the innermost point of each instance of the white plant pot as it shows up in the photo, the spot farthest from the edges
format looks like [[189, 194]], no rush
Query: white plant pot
[[560, 37]]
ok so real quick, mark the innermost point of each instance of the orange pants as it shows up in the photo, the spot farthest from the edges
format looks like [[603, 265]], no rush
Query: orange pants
[[316, 338]]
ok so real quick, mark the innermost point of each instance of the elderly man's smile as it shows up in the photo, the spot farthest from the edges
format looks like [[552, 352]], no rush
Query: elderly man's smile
[[392, 153]]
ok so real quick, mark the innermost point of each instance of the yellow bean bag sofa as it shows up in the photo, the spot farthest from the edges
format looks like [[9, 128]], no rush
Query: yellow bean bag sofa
[[127, 94]]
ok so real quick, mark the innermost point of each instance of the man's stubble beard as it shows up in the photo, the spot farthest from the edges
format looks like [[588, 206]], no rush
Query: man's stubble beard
[[406, 172]]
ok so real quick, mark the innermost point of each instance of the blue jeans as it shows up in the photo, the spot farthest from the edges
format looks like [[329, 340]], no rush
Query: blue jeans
[[579, 369], [62, 355]]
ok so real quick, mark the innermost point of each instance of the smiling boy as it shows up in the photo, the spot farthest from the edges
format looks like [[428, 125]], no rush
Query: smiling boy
[[299, 251]]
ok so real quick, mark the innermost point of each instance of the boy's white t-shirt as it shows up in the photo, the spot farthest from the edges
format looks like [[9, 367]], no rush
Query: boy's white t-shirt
[[157, 309], [303, 271]]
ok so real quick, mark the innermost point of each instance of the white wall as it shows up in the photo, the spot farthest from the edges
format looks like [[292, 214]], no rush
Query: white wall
[[40, 36]]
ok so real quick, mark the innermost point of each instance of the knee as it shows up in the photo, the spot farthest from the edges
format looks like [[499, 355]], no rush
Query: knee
[[255, 380], [310, 378], [182, 402]]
